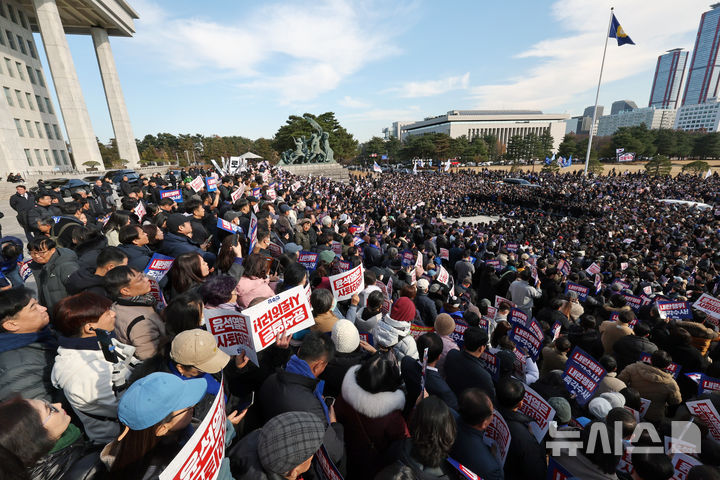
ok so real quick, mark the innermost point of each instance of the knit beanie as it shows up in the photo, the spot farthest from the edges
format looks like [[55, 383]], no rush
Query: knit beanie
[[615, 399], [563, 413], [599, 408], [444, 324], [403, 310], [345, 336]]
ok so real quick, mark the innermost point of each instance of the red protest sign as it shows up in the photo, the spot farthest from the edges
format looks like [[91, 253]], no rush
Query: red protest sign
[[197, 184], [345, 285], [202, 455], [287, 312], [498, 433], [537, 408], [710, 305], [705, 411], [444, 254], [231, 332]]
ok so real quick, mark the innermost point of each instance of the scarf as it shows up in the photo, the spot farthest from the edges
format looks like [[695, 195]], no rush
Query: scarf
[[69, 436], [300, 367], [13, 341]]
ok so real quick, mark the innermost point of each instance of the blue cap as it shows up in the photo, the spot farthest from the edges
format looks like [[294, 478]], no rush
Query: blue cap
[[149, 400]]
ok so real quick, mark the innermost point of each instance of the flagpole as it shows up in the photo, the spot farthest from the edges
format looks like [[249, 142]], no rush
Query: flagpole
[[597, 95]]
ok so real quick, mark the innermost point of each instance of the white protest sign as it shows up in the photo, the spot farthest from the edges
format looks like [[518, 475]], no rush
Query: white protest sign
[[593, 269], [682, 464], [705, 411], [537, 408], [443, 276], [345, 285], [236, 194], [498, 433], [500, 300], [202, 455], [710, 305], [231, 332], [197, 184], [287, 312], [140, 210]]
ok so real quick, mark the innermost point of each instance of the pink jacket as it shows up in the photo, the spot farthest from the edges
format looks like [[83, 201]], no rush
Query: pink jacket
[[248, 289]]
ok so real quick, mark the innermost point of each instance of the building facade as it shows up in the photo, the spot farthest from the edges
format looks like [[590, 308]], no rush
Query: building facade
[[669, 73], [503, 124], [622, 106], [394, 131], [652, 117], [702, 81], [31, 140], [701, 117]]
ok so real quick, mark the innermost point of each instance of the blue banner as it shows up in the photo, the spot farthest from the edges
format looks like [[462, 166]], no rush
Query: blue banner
[[158, 266], [172, 194], [211, 184], [582, 375], [308, 260], [582, 292]]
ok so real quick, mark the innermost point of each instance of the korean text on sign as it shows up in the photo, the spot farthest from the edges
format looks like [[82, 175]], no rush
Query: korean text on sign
[[345, 285]]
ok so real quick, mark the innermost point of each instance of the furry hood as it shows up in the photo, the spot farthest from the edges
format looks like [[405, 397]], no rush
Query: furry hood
[[372, 405]]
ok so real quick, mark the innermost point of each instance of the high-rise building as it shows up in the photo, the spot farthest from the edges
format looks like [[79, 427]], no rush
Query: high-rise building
[[702, 81], [669, 72], [651, 117], [622, 106]]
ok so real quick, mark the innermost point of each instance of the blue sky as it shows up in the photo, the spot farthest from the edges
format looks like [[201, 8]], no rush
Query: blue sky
[[236, 67]]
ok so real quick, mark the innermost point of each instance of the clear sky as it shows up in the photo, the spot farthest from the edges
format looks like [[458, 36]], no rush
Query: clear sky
[[240, 67]]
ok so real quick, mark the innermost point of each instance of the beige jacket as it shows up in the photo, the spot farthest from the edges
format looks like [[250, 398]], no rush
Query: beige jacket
[[653, 384], [145, 327]]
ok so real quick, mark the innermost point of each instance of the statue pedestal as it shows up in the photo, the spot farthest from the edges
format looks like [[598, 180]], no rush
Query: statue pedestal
[[333, 170]]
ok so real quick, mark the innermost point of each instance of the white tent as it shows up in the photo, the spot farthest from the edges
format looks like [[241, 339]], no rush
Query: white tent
[[249, 156]]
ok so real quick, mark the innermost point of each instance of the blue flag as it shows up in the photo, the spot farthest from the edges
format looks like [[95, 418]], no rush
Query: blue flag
[[617, 32], [547, 161]]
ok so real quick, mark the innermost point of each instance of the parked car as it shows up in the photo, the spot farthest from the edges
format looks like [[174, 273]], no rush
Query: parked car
[[117, 175], [67, 185], [91, 178], [519, 181]]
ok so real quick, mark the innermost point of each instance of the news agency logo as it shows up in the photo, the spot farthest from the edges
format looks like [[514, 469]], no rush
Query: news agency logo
[[685, 437]]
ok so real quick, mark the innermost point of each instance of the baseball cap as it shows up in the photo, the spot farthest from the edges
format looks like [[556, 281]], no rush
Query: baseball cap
[[198, 348], [149, 400], [175, 220], [423, 284], [292, 248]]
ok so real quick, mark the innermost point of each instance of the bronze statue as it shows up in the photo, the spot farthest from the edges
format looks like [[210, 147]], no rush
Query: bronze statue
[[314, 150]]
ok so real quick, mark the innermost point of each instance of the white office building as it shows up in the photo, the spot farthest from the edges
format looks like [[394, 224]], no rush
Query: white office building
[[702, 116], [503, 124], [31, 140], [652, 117]]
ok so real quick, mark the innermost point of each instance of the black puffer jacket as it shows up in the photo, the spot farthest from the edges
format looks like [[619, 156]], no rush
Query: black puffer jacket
[[77, 461]]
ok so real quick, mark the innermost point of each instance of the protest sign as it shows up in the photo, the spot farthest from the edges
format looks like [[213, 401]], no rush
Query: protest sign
[[498, 433], [526, 340], [443, 276], [172, 194], [271, 193], [343, 265], [444, 254], [705, 411], [708, 384], [634, 302], [624, 285], [512, 247], [644, 406], [675, 445], [417, 330], [593, 269], [308, 260], [463, 470], [672, 369], [598, 283], [419, 260], [336, 247], [345, 285], [197, 184], [158, 266], [157, 293], [202, 455], [625, 464], [407, 258], [490, 363], [231, 332], [211, 183], [500, 300], [555, 330], [367, 337], [236, 194], [710, 305], [518, 317], [457, 335], [677, 310], [494, 263], [139, 210], [682, 463], [24, 269], [582, 375], [537, 408], [563, 266], [275, 249], [325, 469], [556, 471], [582, 292], [228, 226], [252, 232]]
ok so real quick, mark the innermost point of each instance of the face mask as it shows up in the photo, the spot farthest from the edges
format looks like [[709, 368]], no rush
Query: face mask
[[334, 304]]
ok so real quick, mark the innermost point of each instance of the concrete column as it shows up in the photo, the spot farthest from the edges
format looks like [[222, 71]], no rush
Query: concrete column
[[127, 148], [72, 104]]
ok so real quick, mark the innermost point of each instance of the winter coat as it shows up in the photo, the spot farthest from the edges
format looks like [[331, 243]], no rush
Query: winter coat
[[580, 466], [653, 384], [552, 359], [250, 288], [337, 368], [627, 350], [611, 332], [291, 392], [402, 452], [372, 256], [26, 360], [52, 277], [78, 461], [85, 280], [701, 335], [113, 238], [526, 457], [463, 371], [22, 206], [372, 421], [303, 239], [139, 325], [86, 378], [38, 212], [62, 231], [523, 294], [426, 308], [610, 383], [364, 321], [88, 251], [588, 340], [411, 370], [175, 245], [389, 333], [471, 451], [138, 257], [324, 322]]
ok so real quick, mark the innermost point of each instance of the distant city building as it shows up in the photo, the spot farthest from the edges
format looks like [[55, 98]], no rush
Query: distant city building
[[503, 124], [394, 131], [702, 116], [581, 125], [652, 117], [622, 106], [669, 72], [702, 81]]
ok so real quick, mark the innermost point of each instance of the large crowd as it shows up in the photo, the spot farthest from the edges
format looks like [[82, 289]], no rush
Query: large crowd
[[106, 372]]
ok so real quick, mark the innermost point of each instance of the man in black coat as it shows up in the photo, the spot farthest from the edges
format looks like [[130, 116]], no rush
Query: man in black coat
[[526, 457], [298, 388], [627, 350], [412, 372], [22, 201], [463, 369], [43, 208], [372, 255]]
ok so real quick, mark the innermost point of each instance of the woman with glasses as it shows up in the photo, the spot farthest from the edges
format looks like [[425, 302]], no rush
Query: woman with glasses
[[51, 267], [90, 374], [37, 441], [155, 414]]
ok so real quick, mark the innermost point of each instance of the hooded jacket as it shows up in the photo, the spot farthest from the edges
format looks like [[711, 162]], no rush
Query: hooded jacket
[[26, 360], [394, 334], [52, 276], [364, 321], [85, 280], [653, 384]]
